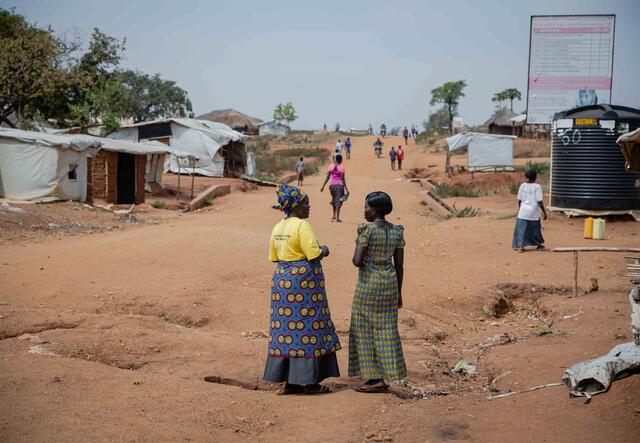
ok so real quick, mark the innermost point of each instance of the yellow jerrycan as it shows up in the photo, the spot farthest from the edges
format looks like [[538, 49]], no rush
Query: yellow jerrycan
[[588, 227], [598, 229]]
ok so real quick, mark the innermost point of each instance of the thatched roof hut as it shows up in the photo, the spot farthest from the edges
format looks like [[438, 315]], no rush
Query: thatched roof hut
[[236, 120], [500, 123]]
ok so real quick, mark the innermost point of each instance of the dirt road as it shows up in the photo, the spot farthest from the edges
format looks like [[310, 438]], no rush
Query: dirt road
[[124, 326]]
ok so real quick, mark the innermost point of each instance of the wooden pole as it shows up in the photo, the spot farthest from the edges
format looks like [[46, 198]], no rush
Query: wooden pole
[[575, 273], [178, 193], [595, 249], [193, 177]]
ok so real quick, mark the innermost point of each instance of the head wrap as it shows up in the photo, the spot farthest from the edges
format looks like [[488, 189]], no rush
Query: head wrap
[[288, 197]]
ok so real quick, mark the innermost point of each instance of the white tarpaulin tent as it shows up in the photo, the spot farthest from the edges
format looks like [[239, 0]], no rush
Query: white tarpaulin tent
[[485, 151], [199, 138], [44, 167]]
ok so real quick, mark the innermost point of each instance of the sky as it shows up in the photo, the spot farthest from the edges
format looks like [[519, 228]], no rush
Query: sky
[[353, 62]]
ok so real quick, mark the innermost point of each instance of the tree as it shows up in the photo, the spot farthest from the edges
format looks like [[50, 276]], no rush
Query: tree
[[449, 94], [437, 120], [510, 94], [144, 97], [286, 113], [28, 64]]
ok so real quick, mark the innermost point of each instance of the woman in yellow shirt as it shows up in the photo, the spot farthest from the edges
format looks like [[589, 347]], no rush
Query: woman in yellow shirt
[[302, 341]]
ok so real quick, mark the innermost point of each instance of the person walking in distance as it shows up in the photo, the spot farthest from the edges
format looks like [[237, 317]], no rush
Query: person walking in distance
[[347, 147], [405, 134], [300, 171], [392, 157], [400, 155], [337, 186], [339, 146]]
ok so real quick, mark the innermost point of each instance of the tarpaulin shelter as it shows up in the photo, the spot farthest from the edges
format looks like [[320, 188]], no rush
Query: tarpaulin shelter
[[220, 150], [485, 151], [273, 127], [44, 167]]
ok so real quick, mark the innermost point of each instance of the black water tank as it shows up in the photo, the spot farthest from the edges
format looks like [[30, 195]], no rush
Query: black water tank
[[587, 166]]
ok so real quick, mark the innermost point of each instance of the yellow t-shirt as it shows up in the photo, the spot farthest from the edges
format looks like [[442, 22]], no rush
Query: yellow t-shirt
[[293, 239]]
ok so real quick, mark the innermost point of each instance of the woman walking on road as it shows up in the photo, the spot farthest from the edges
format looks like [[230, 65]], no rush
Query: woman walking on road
[[375, 350], [400, 155], [302, 340], [337, 186], [528, 230]]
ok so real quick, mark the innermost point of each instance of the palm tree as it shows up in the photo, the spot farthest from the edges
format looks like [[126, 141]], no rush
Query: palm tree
[[511, 94]]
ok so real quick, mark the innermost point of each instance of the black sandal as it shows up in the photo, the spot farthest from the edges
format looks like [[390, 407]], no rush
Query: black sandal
[[368, 389], [290, 389], [317, 389]]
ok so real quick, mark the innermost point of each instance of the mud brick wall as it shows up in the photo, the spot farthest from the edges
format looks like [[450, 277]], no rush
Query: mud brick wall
[[104, 170], [141, 169]]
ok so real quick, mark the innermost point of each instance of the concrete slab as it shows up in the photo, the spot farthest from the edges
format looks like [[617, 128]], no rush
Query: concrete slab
[[210, 193]]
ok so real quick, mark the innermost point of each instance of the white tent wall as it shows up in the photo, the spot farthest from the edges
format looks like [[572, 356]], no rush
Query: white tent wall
[[485, 151], [196, 142], [34, 172]]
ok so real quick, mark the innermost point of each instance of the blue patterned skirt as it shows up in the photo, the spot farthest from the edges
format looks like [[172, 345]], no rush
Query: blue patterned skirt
[[301, 325], [527, 233]]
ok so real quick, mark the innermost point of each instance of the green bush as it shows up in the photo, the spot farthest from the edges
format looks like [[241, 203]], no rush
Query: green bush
[[542, 168], [467, 211], [445, 190], [158, 204], [513, 188]]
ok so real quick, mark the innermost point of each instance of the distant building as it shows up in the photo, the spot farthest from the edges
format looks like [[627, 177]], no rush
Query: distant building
[[273, 127], [236, 120], [500, 122]]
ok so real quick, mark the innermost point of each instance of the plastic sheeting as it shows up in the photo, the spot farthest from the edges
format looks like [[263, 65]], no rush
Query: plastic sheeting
[[31, 171], [191, 139], [485, 151], [595, 376]]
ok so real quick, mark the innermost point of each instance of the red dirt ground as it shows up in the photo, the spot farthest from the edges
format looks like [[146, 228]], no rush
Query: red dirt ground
[[125, 324]]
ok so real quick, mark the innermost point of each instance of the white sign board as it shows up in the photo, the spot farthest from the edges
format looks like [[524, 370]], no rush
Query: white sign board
[[570, 64]]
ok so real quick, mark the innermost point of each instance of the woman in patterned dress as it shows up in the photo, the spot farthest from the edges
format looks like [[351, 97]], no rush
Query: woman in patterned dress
[[302, 341], [375, 351]]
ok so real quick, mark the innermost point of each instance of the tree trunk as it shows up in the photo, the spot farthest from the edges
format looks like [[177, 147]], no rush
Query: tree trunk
[[511, 99]]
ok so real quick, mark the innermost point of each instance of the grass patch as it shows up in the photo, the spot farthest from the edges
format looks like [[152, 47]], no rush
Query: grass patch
[[467, 211], [270, 165], [445, 190], [541, 168], [158, 204], [207, 201], [513, 188]]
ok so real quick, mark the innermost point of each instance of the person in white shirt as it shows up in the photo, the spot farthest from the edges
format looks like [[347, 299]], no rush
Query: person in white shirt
[[339, 147], [528, 230]]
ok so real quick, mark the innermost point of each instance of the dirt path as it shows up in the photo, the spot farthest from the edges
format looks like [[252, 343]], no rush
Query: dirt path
[[134, 320]]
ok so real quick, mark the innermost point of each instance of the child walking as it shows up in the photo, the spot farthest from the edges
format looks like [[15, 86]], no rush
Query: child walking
[[528, 230], [375, 351]]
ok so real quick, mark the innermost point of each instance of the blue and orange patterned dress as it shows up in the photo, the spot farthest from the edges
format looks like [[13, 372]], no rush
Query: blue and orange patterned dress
[[375, 351], [302, 339]]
